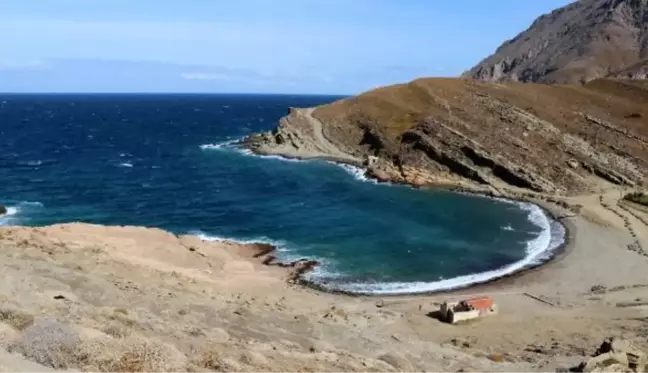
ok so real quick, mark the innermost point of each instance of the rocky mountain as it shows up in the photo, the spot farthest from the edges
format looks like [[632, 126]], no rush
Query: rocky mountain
[[538, 138], [585, 40]]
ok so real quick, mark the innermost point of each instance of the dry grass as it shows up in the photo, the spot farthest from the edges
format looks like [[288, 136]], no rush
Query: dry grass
[[211, 359], [59, 346], [48, 343], [132, 354], [19, 320]]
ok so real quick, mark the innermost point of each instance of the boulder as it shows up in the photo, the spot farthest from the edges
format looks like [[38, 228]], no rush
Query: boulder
[[3, 210], [604, 362], [616, 355]]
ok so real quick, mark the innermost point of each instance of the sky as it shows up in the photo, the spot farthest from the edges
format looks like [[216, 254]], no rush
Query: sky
[[248, 46]]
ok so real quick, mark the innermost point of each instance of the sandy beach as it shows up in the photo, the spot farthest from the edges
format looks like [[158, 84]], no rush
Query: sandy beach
[[216, 306]]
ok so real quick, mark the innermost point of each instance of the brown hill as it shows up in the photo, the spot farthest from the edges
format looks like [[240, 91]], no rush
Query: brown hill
[[585, 40], [555, 139]]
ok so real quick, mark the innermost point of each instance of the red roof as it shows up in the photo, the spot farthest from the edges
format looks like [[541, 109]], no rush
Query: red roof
[[481, 303]]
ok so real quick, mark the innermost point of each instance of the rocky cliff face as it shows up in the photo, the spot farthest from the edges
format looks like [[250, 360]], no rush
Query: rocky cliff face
[[585, 40], [560, 140]]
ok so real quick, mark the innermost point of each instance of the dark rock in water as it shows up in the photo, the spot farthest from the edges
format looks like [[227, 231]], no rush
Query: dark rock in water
[[263, 249], [3, 210]]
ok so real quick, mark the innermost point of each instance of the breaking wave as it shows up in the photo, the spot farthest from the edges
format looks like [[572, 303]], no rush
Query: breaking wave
[[220, 145], [15, 213]]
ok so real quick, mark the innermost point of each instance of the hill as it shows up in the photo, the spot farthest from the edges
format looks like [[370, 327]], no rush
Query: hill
[[551, 139], [582, 41]]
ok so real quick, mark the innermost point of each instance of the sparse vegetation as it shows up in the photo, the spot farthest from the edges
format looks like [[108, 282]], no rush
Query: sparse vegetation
[[19, 320], [637, 197], [49, 343]]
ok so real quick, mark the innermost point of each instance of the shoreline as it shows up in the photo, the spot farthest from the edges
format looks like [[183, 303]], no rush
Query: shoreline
[[298, 276], [301, 267]]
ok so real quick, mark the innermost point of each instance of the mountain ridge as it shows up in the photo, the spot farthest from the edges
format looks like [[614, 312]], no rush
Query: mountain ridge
[[583, 41]]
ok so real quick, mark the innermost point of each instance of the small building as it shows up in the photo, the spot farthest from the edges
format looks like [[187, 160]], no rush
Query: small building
[[468, 309]]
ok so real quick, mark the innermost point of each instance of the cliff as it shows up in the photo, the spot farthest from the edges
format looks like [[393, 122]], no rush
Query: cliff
[[582, 41], [552, 139]]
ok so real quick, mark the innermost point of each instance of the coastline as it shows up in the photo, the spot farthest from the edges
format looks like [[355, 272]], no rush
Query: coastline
[[299, 271], [181, 288]]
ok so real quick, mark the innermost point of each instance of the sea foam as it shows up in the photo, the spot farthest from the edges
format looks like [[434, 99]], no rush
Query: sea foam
[[13, 214], [231, 145]]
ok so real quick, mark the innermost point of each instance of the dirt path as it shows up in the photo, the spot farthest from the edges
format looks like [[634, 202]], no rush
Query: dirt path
[[322, 142]]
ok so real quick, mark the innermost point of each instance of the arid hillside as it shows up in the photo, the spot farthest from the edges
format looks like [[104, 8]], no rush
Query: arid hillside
[[554, 139], [585, 40]]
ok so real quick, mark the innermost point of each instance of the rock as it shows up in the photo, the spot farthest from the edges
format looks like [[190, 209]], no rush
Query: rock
[[598, 289], [576, 32], [616, 355], [602, 362], [573, 163], [3, 210]]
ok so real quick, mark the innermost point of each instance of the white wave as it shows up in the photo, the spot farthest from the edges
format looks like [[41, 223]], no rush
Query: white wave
[[275, 157], [358, 173], [126, 164], [228, 145], [279, 245], [538, 250], [35, 163], [219, 145], [508, 228], [11, 211], [12, 216]]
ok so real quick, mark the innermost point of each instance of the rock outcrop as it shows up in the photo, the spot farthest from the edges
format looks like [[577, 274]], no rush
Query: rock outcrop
[[585, 40], [616, 355], [3, 210], [561, 140]]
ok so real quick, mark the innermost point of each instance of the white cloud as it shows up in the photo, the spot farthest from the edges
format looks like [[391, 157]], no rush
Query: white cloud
[[27, 65], [204, 76]]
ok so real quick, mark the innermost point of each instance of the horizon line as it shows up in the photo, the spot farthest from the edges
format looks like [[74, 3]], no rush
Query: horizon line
[[177, 93]]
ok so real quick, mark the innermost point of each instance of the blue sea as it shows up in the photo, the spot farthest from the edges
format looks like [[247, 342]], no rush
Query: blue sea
[[168, 161]]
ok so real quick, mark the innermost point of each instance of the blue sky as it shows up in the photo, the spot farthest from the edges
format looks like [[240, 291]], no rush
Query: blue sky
[[265, 46]]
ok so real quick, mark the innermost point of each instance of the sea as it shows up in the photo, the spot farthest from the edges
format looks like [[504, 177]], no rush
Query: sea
[[170, 161]]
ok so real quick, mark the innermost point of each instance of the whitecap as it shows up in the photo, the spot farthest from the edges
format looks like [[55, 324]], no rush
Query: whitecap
[[13, 214], [219, 145], [508, 228], [538, 250], [126, 164], [229, 145], [280, 245], [358, 173], [11, 211], [35, 163]]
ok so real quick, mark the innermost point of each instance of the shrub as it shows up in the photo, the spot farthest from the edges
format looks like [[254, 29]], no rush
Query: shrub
[[637, 197], [49, 343], [18, 319], [133, 354]]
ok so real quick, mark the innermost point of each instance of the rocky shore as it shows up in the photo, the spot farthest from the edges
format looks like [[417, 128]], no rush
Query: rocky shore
[[493, 138]]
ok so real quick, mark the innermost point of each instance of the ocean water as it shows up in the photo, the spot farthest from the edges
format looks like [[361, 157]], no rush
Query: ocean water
[[167, 161]]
